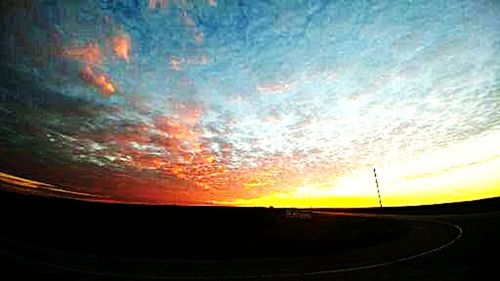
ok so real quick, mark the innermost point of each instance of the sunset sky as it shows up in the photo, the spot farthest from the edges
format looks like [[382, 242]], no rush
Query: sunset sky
[[251, 103]]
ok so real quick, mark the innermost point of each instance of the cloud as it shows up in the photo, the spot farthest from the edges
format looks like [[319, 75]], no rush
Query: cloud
[[121, 46], [88, 54], [99, 80]]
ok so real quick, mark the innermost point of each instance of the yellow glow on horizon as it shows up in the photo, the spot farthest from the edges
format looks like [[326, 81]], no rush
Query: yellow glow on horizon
[[466, 171]]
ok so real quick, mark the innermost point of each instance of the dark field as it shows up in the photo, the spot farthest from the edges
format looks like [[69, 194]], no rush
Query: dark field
[[58, 239], [185, 232]]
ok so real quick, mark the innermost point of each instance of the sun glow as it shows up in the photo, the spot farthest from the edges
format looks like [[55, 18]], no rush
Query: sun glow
[[444, 175]]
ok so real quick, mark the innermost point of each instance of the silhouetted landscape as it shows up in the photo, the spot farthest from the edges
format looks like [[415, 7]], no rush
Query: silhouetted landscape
[[202, 240], [185, 232]]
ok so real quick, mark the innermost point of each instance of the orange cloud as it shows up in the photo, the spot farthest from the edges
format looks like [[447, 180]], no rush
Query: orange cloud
[[99, 80], [121, 45], [90, 54], [191, 159], [189, 114]]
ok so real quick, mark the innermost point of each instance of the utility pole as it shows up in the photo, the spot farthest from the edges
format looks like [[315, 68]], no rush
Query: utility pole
[[376, 184], [310, 204]]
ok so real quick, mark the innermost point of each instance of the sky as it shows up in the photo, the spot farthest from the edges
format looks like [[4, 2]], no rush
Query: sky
[[251, 103]]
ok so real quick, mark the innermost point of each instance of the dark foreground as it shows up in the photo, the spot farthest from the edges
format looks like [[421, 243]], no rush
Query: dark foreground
[[55, 239], [147, 231]]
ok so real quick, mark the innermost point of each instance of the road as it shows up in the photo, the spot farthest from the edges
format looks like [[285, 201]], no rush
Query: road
[[437, 248]]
